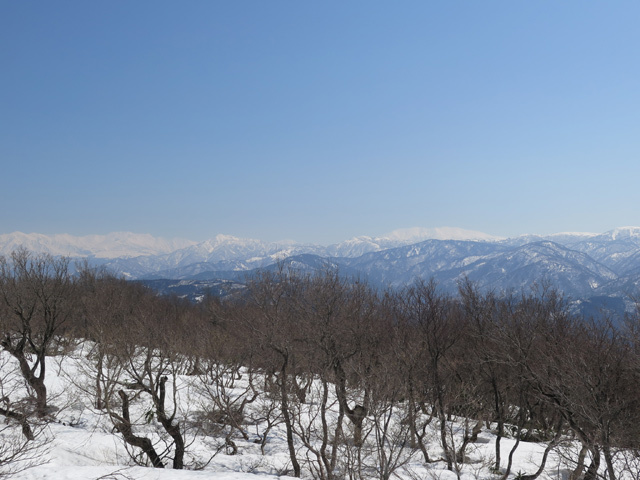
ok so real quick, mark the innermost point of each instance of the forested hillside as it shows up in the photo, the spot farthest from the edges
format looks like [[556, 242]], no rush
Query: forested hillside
[[313, 376]]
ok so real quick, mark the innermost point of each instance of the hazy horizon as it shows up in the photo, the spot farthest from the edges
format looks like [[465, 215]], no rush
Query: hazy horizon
[[443, 232]]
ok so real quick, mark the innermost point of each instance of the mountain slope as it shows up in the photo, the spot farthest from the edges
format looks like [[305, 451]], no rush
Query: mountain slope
[[619, 249], [397, 266], [575, 273], [582, 265], [225, 252]]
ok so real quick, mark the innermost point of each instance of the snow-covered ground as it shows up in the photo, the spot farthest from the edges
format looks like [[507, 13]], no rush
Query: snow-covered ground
[[80, 442]]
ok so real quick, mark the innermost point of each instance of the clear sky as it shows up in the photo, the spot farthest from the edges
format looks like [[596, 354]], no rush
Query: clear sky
[[318, 121]]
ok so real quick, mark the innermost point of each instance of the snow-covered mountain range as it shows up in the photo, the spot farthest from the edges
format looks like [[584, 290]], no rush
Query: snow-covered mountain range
[[138, 255], [583, 265], [112, 245]]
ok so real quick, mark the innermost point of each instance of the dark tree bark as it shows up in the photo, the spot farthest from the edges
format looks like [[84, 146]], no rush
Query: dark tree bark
[[123, 425], [592, 471], [286, 414], [358, 413], [21, 419], [173, 429]]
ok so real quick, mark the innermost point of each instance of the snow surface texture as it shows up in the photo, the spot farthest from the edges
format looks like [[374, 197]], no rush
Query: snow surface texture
[[79, 442]]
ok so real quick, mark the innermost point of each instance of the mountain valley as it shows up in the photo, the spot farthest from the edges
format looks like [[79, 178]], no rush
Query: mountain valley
[[590, 269]]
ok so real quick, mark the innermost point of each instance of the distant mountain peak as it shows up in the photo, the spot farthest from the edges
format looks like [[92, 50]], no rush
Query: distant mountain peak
[[223, 239], [623, 232], [418, 234]]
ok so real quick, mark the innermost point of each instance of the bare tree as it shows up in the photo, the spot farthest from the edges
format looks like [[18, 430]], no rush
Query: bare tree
[[581, 369], [391, 447], [21, 443], [439, 326], [268, 316], [343, 318], [138, 355], [18, 453], [153, 365], [39, 295]]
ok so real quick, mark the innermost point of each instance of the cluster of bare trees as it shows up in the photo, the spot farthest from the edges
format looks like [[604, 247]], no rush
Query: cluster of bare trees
[[36, 296], [522, 366], [361, 382]]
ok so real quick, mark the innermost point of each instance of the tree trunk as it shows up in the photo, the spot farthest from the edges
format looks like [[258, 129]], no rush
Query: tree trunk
[[337, 438], [592, 471], [469, 437], [575, 475], [172, 429], [35, 381], [552, 444], [99, 400], [124, 427], [284, 402], [420, 436], [499, 436], [356, 415], [510, 460], [443, 439], [21, 419], [609, 460]]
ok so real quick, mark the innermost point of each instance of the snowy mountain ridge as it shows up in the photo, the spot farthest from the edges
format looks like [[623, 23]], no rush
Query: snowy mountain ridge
[[418, 234], [221, 247], [112, 245], [582, 265]]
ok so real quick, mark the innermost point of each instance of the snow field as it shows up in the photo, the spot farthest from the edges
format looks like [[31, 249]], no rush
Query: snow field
[[79, 441]]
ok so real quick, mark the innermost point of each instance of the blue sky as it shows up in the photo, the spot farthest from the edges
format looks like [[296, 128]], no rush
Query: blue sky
[[318, 121]]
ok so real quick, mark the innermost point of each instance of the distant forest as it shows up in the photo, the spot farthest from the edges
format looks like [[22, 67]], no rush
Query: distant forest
[[522, 366]]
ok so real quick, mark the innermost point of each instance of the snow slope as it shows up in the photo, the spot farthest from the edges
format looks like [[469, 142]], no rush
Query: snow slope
[[81, 444]]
